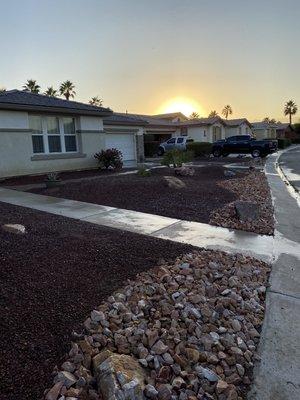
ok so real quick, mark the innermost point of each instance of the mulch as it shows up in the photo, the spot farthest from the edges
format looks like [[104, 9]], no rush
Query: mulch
[[51, 278], [195, 201]]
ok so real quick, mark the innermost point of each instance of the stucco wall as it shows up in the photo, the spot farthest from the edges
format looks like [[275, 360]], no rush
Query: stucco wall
[[199, 133], [16, 146]]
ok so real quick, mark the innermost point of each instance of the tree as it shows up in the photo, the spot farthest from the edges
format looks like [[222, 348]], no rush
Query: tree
[[67, 89], [227, 110], [31, 86], [269, 120], [2, 89], [213, 114], [290, 108], [51, 92], [96, 101], [194, 115]]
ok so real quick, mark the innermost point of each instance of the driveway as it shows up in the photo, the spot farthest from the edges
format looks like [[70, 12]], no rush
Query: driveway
[[290, 164]]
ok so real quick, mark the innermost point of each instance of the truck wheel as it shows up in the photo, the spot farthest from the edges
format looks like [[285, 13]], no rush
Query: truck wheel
[[217, 153], [160, 151], [256, 153]]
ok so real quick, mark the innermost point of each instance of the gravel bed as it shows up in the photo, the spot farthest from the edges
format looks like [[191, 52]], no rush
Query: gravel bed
[[191, 198], [193, 325], [252, 187], [51, 277]]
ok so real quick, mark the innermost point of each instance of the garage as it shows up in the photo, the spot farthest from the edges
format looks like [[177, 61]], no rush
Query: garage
[[123, 142]]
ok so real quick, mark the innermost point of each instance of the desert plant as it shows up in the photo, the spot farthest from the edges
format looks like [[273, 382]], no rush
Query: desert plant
[[200, 149], [175, 158], [52, 176], [143, 171], [110, 158]]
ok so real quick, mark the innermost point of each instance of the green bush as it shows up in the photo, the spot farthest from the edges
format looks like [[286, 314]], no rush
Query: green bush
[[175, 158], [283, 143], [143, 171], [151, 149], [110, 158], [200, 149]]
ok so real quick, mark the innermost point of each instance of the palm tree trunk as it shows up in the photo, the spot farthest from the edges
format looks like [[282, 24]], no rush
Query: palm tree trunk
[[290, 119]]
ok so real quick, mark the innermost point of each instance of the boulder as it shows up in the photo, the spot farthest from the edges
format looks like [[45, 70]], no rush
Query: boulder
[[17, 229], [120, 376], [184, 171], [246, 211]]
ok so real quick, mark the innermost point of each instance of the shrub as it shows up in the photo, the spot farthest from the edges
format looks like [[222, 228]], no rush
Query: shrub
[[53, 177], [151, 148], [143, 171], [176, 157], [200, 149], [110, 158], [283, 143]]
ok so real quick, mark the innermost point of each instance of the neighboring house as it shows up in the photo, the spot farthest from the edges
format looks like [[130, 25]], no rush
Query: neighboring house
[[172, 117], [40, 134], [204, 129], [264, 130], [285, 130], [235, 127]]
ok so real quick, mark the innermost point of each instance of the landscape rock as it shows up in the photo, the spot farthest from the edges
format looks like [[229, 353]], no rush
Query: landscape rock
[[246, 211], [17, 229]]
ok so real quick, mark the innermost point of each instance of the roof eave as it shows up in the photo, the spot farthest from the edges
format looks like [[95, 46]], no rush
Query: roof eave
[[60, 110]]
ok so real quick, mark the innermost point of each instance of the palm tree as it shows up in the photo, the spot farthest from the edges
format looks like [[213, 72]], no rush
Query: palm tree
[[67, 89], [213, 114], [290, 109], [227, 110], [269, 120], [51, 92], [96, 101], [2, 90], [31, 86], [194, 115]]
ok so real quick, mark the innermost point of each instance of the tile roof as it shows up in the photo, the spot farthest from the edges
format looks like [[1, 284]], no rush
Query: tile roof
[[236, 122], [22, 100]]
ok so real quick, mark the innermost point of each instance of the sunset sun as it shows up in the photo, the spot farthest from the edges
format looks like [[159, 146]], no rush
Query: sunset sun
[[181, 104]]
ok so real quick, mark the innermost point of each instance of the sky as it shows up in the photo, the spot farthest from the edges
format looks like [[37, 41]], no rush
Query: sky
[[154, 56]]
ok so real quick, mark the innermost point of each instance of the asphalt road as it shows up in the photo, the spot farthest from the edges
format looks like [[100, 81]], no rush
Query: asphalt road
[[290, 164]]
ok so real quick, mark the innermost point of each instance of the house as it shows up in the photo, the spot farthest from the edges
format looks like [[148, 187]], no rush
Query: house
[[264, 130], [204, 129], [285, 131], [41, 134], [235, 127]]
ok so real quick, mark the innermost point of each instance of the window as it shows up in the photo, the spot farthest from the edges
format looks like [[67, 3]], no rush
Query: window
[[35, 124], [70, 134], [52, 134], [180, 140], [171, 141]]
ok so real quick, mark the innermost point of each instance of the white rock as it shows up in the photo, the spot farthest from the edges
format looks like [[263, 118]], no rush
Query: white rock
[[14, 228]]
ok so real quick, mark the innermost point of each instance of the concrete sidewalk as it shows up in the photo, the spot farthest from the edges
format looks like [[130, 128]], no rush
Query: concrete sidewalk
[[194, 233], [277, 377]]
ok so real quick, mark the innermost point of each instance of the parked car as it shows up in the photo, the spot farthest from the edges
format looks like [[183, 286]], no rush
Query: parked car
[[244, 144], [178, 142]]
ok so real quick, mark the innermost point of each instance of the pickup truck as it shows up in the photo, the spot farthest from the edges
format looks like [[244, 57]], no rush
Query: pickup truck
[[244, 144], [178, 142]]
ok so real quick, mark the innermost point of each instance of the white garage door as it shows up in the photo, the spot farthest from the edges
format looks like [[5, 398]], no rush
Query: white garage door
[[122, 142]]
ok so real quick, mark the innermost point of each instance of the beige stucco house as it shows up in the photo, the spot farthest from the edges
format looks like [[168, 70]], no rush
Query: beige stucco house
[[40, 134]]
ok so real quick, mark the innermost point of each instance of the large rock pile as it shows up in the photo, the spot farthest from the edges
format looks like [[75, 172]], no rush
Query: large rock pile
[[252, 189], [186, 331]]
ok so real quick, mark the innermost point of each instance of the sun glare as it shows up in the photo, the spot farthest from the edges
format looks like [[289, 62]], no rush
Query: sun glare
[[181, 104]]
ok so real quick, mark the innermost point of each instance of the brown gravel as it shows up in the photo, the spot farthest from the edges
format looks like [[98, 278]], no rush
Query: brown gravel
[[51, 278], [193, 324], [199, 196], [254, 188]]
